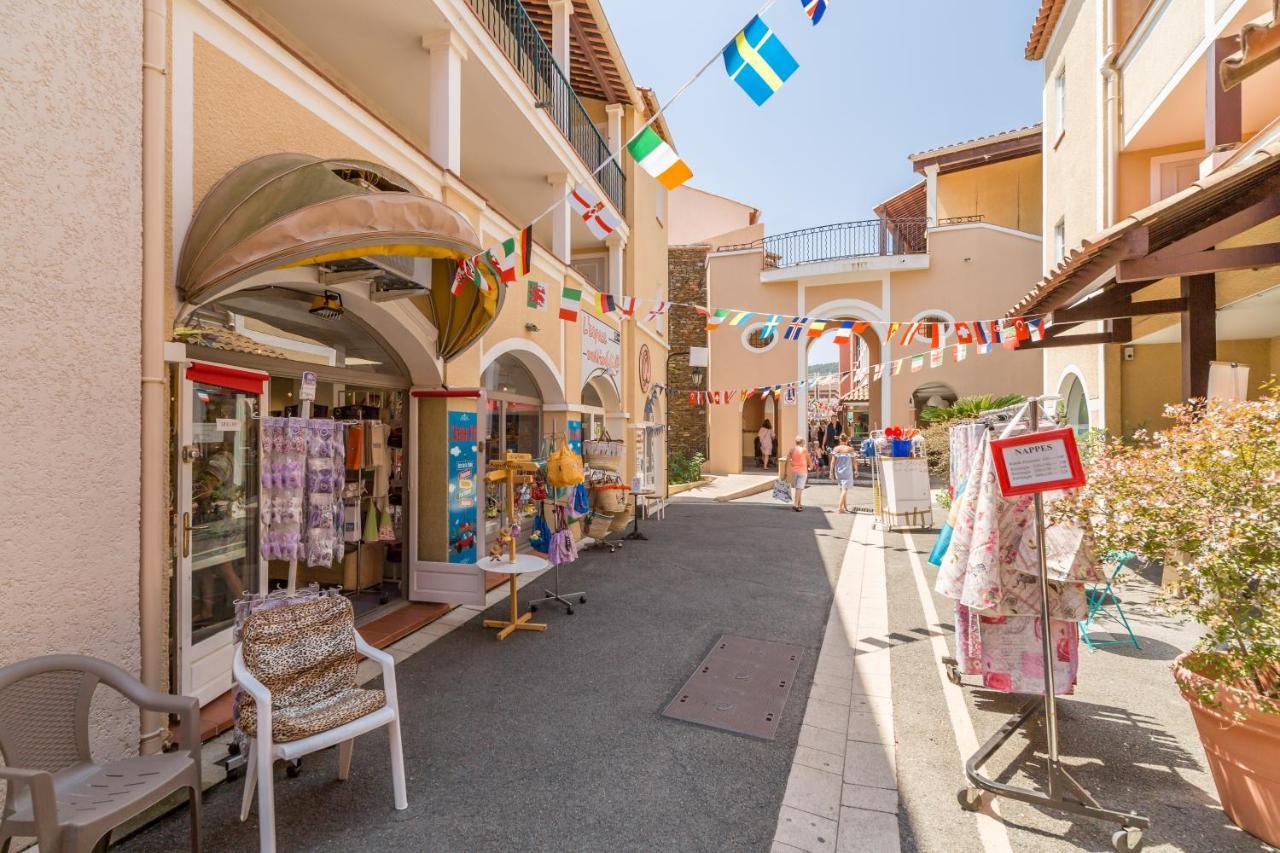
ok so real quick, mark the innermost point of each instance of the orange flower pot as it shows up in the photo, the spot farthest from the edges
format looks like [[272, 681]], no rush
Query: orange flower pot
[[1242, 745]]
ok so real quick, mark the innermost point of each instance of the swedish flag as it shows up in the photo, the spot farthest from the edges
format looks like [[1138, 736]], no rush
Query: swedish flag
[[757, 61]]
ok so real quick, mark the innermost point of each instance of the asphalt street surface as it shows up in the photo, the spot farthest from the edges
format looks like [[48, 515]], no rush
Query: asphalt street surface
[[554, 741]]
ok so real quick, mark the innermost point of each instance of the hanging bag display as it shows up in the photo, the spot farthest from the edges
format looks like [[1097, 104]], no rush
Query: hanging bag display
[[580, 503], [603, 453], [781, 490], [611, 497], [371, 524], [562, 549], [564, 467], [540, 536]]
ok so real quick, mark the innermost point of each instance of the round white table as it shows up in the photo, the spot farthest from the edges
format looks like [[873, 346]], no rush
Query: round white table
[[524, 563]]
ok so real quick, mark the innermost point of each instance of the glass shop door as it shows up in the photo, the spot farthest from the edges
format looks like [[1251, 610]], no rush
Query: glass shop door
[[217, 520]]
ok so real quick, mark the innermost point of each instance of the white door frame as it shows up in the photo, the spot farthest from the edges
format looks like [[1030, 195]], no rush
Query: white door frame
[[213, 655]]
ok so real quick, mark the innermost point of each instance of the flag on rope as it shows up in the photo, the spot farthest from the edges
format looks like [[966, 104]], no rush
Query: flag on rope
[[893, 327], [815, 9], [982, 334], [627, 305], [537, 295], [652, 153], [741, 317], [504, 260], [714, 321], [816, 327], [1035, 328], [703, 311], [962, 352], [468, 272], [569, 298], [757, 61], [845, 332], [909, 333], [935, 358], [770, 328], [964, 332], [1020, 327], [897, 366], [917, 363], [935, 335], [659, 308], [860, 327], [1009, 337], [599, 220], [604, 302], [876, 372], [795, 329], [526, 249]]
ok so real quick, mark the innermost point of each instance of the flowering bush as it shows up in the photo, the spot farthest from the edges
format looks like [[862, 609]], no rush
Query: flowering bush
[[1204, 493]]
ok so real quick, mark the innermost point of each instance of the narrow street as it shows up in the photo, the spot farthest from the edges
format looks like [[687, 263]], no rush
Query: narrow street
[[555, 741]]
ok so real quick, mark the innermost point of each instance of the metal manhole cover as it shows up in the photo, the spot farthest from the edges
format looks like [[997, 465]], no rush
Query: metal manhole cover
[[741, 686]]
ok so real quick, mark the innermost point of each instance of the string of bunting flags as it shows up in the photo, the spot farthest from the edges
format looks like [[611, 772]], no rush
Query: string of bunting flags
[[867, 373], [755, 59]]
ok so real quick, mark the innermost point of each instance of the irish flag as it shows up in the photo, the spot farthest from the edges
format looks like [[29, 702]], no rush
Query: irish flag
[[659, 159]]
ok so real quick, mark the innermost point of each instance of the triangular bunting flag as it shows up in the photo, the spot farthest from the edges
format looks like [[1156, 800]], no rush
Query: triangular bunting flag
[[935, 358], [714, 321]]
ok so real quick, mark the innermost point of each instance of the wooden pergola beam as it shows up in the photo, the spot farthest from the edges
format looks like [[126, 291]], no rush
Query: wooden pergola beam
[[605, 83], [1110, 310], [1219, 260]]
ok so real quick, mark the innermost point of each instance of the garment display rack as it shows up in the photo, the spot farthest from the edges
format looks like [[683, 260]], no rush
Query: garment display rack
[[1063, 793]]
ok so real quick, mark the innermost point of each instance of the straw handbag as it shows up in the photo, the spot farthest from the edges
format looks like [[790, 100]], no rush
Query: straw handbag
[[620, 522], [611, 497], [600, 525], [604, 453]]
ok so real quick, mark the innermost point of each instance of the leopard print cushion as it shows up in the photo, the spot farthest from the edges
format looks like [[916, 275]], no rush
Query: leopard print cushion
[[305, 654]]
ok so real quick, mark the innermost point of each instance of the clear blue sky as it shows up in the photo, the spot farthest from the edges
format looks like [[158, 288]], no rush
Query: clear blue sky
[[878, 80]]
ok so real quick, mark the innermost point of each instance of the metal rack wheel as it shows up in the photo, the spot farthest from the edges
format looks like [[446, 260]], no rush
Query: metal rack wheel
[[970, 799], [533, 608], [953, 673], [293, 769], [570, 609], [582, 599], [1127, 840]]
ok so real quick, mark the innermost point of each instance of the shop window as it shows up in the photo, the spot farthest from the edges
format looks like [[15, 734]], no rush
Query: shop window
[[1060, 104], [513, 424]]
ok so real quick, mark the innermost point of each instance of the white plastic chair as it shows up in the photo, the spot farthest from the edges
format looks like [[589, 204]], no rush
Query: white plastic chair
[[261, 761]]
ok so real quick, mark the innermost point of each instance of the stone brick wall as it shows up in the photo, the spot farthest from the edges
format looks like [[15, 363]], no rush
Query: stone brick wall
[[687, 282]]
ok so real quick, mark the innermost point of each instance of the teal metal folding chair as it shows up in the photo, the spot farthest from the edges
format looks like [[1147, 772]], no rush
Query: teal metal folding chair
[[1103, 601]]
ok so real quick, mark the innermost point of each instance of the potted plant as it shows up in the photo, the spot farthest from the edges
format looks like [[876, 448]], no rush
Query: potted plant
[[1206, 492]]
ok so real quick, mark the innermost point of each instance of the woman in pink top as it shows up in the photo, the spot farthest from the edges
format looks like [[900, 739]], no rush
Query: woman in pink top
[[798, 464]]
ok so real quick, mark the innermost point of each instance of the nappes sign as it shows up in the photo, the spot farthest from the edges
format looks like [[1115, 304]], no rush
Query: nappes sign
[[601, 349]]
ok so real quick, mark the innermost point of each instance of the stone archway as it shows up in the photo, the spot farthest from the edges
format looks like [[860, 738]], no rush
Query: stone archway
[[856, 310]]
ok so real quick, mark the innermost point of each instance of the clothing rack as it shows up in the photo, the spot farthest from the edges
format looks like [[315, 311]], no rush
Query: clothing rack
[[1063, 792]]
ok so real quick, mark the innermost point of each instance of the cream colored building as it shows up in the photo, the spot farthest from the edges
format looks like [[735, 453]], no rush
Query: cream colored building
[[228, 167], [953, 247], [1152, 162]]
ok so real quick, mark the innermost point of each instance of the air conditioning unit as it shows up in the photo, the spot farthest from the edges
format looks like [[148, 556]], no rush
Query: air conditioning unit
[[389, 276]]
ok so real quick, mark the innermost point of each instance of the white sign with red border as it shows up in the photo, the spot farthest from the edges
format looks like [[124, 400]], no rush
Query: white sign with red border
[[1038, 462]]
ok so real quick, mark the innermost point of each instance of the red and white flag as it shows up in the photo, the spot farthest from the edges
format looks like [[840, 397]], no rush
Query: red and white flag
[[593, 212], [659, 308]]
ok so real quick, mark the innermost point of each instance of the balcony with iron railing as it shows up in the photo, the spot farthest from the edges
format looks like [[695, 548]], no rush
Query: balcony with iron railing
[[867, 238], [517, 36]]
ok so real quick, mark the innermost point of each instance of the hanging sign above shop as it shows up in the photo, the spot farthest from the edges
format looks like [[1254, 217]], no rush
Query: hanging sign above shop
[[601, 349], [1037, 462]]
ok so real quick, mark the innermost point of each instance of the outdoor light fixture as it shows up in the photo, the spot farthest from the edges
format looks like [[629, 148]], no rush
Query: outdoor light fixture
[[531, 327], [327, 305]]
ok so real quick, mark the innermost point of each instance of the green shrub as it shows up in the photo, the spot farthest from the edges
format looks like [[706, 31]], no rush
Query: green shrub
[[684, 467]]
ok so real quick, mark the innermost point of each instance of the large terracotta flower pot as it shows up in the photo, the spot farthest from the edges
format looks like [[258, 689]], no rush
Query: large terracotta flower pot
[[1242, 745]]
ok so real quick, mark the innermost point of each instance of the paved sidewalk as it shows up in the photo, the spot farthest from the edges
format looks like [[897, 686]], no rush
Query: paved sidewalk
[[842, 794], [554, 741]]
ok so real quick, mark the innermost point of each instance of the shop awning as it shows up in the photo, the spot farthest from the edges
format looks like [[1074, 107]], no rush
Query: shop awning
[[1172, 238], [290, 210]]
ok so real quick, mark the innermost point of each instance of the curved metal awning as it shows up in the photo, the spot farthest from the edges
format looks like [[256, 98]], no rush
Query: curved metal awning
[[291, 210]]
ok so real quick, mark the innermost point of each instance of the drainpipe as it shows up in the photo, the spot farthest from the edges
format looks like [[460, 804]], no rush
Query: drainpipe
[[152, 526], [1111, 120]]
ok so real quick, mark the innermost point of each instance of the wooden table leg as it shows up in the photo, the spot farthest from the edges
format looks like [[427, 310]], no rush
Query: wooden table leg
[[517, 622]]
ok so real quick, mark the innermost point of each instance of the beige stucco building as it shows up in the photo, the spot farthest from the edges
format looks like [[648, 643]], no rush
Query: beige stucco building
[[232, 196], [1161, 135], [952, 247]]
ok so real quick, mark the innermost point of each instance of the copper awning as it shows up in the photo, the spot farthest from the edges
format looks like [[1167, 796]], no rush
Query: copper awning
[[290, 210]]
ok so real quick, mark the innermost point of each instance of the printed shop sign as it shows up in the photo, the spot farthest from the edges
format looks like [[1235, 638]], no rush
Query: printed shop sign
[[1038, 462], [601, 349], [463, 470]]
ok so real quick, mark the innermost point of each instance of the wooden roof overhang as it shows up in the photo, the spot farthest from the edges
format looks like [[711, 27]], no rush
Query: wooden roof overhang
[[594, 70], [983, 151], [1174, 238]]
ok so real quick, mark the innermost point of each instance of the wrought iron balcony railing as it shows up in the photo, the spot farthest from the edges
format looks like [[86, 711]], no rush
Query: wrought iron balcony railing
[[867, 238], [515, 33]]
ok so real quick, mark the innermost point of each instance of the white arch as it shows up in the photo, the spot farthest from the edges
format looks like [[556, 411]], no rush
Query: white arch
[[610, 399], [404, 329], [1073, 371], [535, 360], [852, 307]]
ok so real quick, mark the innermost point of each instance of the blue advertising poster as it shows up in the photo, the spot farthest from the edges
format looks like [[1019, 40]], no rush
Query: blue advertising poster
[[463, 489], [574, 428]]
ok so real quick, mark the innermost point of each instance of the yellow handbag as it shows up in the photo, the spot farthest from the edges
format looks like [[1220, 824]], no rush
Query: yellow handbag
[[564, 467]]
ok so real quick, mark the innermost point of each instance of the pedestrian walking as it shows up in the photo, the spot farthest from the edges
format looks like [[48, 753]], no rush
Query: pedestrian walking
[[799, 463], [765, 437], [844, 467]]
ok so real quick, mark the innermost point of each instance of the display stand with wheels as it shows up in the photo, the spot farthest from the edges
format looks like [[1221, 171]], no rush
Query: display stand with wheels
[[900, 488]]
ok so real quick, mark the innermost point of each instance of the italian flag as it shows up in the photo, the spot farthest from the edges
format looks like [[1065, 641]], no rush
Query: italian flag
[[569, 297], [504, 259], [659, 159]]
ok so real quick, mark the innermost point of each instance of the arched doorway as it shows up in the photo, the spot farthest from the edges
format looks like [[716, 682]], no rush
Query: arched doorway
[[601, 408], [755, 412], [838, 374], [935, 395], [1075, 403]]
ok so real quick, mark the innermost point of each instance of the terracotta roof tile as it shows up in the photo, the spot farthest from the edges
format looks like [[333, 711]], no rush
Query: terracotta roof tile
[[1002, 136], [1042, 29]]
